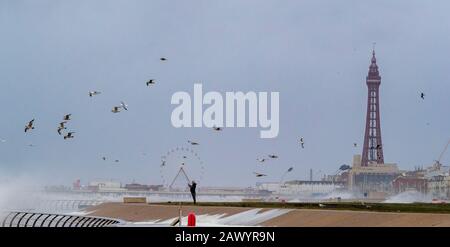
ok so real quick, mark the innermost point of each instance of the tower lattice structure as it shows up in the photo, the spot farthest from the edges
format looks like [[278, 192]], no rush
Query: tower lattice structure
[[373, 146]]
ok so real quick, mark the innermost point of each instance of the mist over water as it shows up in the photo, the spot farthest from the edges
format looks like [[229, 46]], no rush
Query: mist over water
[[409, 197], [17, 192]]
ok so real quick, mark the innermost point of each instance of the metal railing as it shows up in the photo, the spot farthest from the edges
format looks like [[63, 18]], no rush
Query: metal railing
[[31, 219], [58, 206]]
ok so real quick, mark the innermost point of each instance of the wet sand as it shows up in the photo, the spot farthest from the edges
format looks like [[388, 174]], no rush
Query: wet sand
[[341, 218], [294, 218], [135, 212]]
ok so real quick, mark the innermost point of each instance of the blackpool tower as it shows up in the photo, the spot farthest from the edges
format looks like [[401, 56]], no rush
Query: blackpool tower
[[373, 147]]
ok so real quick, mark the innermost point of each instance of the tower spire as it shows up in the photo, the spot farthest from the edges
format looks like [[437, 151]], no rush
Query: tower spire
[[374, 59], [373, 148], [373, 68]]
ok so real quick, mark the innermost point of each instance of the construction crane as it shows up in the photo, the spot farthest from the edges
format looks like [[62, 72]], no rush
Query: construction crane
[[438, 161]]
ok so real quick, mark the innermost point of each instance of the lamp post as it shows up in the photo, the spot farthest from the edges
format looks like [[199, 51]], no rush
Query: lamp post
[[282, 178]]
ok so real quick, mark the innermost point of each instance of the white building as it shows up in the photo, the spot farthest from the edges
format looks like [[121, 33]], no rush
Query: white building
[[106, 186], [302, 188], [439, 186], [372, 178]]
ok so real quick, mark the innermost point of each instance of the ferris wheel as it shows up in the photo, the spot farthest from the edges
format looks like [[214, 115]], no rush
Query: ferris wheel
[[179, 167]]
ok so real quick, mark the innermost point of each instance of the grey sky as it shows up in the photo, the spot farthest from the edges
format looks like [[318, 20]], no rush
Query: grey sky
[[315, 53]]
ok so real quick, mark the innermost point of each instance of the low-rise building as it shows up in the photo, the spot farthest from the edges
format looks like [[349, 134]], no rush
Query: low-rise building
[[137, 187], [439, 186], [302, 188], [372, 178], [106, 186], [409, 183]]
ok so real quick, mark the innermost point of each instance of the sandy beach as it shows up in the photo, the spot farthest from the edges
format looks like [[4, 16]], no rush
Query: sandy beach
[[291, 217]]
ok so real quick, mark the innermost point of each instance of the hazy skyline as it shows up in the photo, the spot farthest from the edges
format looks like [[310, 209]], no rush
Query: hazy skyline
[[315, 53]]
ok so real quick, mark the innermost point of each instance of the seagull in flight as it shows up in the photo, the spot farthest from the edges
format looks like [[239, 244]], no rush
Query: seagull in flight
[[344, 167], [193, 143], [355, 144], [67, 117], [273, 156], [302, 143], [259, 174], [150, 82], [217, 128], [103, 158], [93, 93], [116, 109], [422, 95], [61, 127], [69, 135], [29, 126], [261, 160], [163, 59], [123, 105]]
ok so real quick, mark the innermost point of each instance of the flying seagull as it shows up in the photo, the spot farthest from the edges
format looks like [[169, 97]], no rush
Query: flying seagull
[[150, 82], [355, 144], [117, 161], [217, 128], [344, 167], [259, 174], [116, 109], [273, 156], [285, 173], [193, 143], [29, 125], [163, 59], [92, 93], [103, 158], [422, 95], [67, 117], [377, 147], [163, 163], [61, 127], [261, 160], [302, 143], [69, 135], [123, 105]]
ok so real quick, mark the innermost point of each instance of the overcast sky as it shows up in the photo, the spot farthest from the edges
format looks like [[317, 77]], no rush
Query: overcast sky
[[315, 53]]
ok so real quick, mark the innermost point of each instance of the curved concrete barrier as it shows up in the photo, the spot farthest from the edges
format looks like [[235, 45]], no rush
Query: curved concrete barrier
[[33, 219]]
